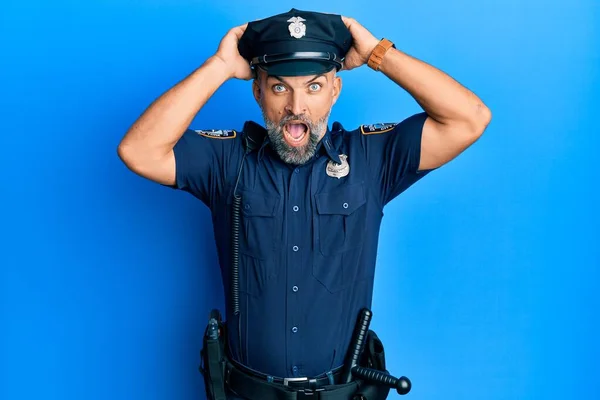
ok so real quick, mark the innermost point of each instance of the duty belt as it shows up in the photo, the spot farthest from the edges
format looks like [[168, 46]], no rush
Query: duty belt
[[254, 385], [329, 378]]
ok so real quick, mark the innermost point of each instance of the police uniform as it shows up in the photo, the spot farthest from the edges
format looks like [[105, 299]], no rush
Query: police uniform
[[308, 234]]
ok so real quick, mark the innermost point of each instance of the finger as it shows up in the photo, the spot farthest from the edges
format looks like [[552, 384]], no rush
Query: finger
[[239, 30], [344, 66], [351, 56]]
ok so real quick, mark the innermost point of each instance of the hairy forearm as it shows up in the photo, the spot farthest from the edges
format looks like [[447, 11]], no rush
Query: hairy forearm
[[442, 97], [163, 123]]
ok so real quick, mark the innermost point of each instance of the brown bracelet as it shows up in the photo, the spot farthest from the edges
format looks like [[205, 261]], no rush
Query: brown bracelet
[[378, 53]]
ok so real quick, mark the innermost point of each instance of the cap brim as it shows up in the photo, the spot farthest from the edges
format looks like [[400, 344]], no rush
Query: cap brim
[[297, 68]]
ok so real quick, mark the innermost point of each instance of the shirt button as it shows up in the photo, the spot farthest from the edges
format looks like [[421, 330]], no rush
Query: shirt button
[[295, 248], [295, 329], [345, 205], [295, 370], [247, 206], [296, 208], [295, 288], [296, 170]]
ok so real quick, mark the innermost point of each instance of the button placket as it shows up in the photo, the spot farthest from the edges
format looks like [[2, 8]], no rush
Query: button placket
[[294, 237]]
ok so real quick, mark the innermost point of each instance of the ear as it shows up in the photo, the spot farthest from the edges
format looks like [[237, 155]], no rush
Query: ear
[[256, 91], [337, 88]]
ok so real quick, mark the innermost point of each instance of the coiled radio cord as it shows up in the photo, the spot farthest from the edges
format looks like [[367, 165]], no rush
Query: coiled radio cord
[[235, 253]]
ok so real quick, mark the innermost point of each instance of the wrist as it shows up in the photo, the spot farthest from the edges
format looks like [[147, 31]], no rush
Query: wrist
[[373, 44], [220, 65]]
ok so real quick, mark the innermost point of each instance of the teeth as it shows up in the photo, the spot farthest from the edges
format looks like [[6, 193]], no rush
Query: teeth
[[291, 138]]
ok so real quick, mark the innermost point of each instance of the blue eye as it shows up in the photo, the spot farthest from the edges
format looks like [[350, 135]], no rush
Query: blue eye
[[278, 88], [315, 86]]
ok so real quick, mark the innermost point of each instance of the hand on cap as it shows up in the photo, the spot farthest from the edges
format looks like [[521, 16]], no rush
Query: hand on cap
[[363, 44], [227, 52]]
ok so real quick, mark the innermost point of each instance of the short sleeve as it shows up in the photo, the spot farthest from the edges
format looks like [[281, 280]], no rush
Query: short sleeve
[[203, 162], [393, 153]]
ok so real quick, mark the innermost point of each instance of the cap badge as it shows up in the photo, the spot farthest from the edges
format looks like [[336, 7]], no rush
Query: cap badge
[[338, 170], [297, 28]]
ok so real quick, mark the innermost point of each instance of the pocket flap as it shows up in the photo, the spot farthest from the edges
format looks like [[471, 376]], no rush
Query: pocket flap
[[344, 200], [258, 205]]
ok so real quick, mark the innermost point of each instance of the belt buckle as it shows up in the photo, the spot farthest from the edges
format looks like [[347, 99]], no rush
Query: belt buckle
[[288, 380], [309, 394]]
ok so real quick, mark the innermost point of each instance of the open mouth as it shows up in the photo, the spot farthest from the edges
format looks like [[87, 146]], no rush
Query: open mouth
[[295, 132]]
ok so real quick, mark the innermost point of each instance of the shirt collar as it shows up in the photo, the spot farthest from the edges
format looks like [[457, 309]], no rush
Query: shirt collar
[[330, 149], [325, 145], [263, 146]]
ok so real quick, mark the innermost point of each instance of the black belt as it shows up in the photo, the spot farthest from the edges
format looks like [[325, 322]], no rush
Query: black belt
[[301, 382], [253, 385]]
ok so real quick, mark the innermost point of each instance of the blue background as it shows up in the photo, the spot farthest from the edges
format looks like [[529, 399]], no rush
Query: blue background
[[487, 277]]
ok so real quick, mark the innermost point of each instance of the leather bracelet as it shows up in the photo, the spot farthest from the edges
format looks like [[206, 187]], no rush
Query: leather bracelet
[[378, 53]]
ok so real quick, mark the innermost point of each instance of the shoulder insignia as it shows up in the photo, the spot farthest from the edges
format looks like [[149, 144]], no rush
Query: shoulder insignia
[[377, 128], [217, 133]]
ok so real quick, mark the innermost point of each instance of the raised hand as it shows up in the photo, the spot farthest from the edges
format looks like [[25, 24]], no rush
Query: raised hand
[[236, 65], [363, 44]]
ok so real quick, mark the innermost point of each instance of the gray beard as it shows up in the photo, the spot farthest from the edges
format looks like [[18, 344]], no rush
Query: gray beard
[[295, 155]]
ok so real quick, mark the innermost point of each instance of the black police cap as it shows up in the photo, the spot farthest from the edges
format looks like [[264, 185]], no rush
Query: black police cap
[[296, 43]]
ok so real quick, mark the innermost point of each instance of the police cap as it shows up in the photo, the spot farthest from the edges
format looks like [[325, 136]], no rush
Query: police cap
[[296, 43]]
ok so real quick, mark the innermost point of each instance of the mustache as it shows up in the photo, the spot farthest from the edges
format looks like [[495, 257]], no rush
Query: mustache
[[300, 117]]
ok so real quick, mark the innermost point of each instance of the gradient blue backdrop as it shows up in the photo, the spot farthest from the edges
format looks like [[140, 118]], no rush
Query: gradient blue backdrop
[[487, 277]]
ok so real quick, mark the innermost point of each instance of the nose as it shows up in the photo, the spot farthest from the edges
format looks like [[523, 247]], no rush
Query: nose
[[297, 104]]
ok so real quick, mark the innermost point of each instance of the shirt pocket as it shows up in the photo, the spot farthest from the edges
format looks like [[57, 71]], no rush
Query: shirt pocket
[[258, 225], [341, 219], [257, 242], [340, 230]]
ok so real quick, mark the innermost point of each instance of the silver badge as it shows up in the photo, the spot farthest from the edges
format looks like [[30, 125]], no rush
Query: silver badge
[[336, 170], [297, 28]]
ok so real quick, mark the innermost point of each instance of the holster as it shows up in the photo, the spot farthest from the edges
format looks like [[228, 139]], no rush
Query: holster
[[373, 356], [213, 360]]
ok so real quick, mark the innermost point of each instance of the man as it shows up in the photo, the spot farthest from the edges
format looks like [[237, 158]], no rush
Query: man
[[310, 197]]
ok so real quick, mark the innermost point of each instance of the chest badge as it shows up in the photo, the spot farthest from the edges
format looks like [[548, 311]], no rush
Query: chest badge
[[336, 170]]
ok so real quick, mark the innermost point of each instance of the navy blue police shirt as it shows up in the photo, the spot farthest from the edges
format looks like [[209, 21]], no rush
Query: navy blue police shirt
[[308, 235]]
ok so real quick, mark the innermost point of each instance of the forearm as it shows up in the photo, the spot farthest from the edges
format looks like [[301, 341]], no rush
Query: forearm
[[443, 98], [158, 129]]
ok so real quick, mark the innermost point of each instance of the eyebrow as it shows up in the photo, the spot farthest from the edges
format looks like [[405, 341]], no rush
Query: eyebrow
[[306, 83]]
